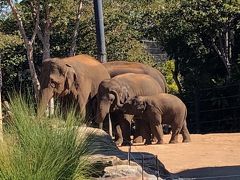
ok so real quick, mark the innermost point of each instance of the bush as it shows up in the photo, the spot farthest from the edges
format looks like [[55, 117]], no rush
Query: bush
[[34, 148]]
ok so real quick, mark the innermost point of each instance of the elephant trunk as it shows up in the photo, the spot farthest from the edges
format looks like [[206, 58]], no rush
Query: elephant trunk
[[118, 102], [103, 109], [45, 96], [100, 118]]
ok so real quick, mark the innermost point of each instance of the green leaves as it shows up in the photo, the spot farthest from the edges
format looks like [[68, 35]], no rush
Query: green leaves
[[193, 32]]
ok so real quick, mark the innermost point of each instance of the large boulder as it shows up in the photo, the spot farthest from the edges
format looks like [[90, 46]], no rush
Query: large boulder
[[111, 163]]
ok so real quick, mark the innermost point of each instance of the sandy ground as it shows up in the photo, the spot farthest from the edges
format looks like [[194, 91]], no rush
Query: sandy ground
[[210, 156]]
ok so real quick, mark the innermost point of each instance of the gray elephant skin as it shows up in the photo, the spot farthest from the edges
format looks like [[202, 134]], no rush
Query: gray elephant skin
[[77, 77], [113, 93], [115, 68], [157, 110]]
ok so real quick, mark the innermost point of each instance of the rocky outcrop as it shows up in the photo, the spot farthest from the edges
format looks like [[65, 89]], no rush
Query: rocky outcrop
[[111, 163]]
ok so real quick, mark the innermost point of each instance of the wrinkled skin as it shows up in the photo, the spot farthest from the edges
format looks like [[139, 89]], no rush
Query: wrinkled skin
[[73, 79], [113, 93], [157, 110], [121, 67]]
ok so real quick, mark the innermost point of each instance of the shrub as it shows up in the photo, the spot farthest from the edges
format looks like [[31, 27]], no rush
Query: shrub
[[34, 148]]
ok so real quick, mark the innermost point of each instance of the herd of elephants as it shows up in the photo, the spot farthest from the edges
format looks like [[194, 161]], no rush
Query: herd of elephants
[[128, 92]]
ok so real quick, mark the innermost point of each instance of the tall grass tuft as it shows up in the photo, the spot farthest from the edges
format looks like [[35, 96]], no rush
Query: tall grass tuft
[[36, 149]]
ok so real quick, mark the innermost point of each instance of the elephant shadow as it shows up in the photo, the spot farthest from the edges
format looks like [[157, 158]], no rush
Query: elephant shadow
[[105, 147]]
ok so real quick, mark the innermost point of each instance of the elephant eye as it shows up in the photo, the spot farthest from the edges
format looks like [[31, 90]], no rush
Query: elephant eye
[[111, 99], [53, 83]]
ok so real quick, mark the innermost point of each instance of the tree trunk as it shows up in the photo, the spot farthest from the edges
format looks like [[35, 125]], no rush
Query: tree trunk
[[36, 84], [45, 39], [175, 76], [75, 32], [1, 117], [28, 43]]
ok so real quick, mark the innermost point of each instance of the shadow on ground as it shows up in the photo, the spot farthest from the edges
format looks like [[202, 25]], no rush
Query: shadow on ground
[[212, 173], [106, 149]]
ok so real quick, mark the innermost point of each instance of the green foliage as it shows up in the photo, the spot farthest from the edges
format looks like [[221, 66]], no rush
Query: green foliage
[[124, 32], [167, 69], [36, 149], [188, 29], [125, 25], [12, 55]]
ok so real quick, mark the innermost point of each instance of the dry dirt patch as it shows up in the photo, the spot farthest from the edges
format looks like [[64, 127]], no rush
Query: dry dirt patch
[[207, 155]]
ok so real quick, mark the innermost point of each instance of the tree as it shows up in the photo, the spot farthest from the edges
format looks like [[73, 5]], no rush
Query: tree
[[201, 37], [76, 28], [28, 41], [1, 116]]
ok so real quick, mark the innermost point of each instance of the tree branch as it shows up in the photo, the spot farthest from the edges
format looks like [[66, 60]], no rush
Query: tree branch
[[175, 75], [19, 22], [75, 32], [36, 11]]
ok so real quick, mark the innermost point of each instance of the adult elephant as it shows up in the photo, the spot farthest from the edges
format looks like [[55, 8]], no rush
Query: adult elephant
[[113, 93], [78, 77], [115, 68]]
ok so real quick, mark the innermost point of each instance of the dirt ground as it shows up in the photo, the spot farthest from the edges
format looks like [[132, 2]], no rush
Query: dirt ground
[[210, 156]]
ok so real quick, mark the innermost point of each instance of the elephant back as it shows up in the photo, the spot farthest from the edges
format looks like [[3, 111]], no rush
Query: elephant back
[[138, 84], [121, 67]]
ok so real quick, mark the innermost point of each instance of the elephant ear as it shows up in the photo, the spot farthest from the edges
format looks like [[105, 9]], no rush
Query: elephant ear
[[71, 79], [139, 103]]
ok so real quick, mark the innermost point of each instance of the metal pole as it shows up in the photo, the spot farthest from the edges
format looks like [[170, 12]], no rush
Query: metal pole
[[142, 165], [157, 166], [129, 157], [98, 11]]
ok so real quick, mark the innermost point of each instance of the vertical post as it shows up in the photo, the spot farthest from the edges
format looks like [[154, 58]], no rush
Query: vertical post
[[142, 165], [98, 11], [1, 117], [157, 166], [129, 157]]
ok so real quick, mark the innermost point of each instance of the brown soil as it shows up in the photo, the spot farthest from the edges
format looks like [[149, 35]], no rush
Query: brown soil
[[210, 155]]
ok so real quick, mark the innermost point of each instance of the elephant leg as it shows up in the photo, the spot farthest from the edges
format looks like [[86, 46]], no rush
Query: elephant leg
[[116, 118], [125, 125], [138, 135], [176, 129], [118, 135], [185, 133], [83, 97], [156, 128], [147, 133]]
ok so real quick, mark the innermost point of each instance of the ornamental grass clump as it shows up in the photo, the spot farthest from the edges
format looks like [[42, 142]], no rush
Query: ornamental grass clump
[[34, 149]]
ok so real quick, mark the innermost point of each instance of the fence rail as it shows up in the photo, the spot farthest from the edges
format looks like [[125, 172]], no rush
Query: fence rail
[[214, 109]]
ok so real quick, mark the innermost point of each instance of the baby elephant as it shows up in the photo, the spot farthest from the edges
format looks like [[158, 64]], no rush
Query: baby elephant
[[157, 110]]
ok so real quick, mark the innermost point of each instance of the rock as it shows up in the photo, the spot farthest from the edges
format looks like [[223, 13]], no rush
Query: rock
[[119, 171], [111, 163]]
